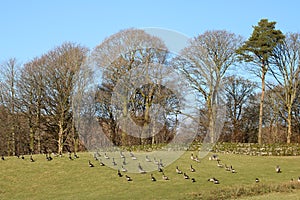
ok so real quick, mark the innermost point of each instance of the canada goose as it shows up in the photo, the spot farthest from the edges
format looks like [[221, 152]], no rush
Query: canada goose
[[124, 161], [161, 163], [159, 169], [121, 154], [214, 180], [185, 176], [70, 156], [153, 178], [22, 157], [257, 180], [132, 156], [101, 163], [277, 169], [147, 159], [123, 169], [192, 169], [2, 157], [95, 156], [192, 156], [106, 156], [232, 170], [119, 173], [178, 171], [299, 179], [90, 164], [196, 159], [219, 164], [76, 156], [141, 170], [164, 177], [227, 168], [31, 159], [193, 180], [113, 162], [128, 178]]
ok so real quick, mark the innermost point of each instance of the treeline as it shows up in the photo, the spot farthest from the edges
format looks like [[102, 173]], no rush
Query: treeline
[[39, 108]]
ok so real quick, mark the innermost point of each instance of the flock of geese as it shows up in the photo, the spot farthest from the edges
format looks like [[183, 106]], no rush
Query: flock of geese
[[160, 167], [159, 163]]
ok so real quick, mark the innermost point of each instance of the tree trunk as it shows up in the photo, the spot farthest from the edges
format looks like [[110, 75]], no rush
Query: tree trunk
[[60, 139], [31, 135], [261, 105], [289, 121]]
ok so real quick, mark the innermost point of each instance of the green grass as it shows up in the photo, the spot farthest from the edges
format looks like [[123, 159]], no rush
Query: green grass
[[65, 179]]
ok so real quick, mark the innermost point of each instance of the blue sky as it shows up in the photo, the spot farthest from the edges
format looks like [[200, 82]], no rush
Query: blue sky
[[30, 28]]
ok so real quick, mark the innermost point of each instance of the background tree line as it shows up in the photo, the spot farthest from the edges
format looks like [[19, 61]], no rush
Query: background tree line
[[36, 98]]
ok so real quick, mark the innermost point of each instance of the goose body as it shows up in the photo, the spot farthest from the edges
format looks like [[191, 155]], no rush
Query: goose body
[[277, 169], [185, 176], [178, 171], [128, 178], [90, 164], [153, 178], [165, 177]]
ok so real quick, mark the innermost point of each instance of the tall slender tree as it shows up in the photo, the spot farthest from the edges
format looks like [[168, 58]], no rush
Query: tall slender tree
[[258, 50]]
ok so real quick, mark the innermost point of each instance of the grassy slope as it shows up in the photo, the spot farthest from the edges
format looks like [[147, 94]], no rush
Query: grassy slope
[[65, 179]]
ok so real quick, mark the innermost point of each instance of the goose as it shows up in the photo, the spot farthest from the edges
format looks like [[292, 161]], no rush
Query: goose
[[196, 159], [101, 163], [123, 169], [219, 164], [132, 156], [147, 159], [90, 164], [232, 170], [49, 157], [193, 180], [124, 161], [95, 156], [128, 178], [22, 157], [2, 157], [192, 169], [161, 163], [164, 177], [227, 168], [192, 156], [141, 170], [299, 179], [113, 162], [70, 156], [159, 169], [257, 180], [153, 178], [76, 156], [31, 159], [119, 173], [106, 156], [178, 171], [122, 155], [186, 176], [214, 180], [278, 170]]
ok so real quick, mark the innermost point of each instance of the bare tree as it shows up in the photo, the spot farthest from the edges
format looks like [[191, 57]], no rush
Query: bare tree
[[126, 60], [62, 65], [204, 63], [237, 92], [287, 74], [10, 77]]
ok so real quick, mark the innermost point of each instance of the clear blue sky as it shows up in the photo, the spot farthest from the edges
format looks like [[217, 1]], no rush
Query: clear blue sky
[[29, 28]]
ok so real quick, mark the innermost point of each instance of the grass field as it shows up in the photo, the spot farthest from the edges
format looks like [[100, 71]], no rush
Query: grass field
[[62, 178]]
